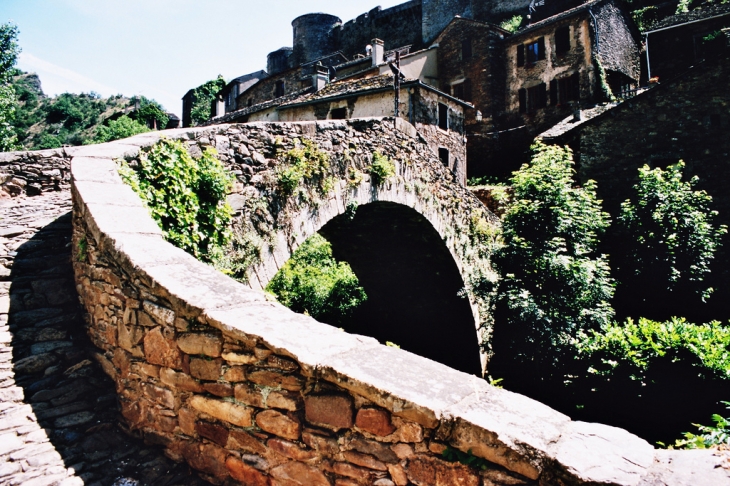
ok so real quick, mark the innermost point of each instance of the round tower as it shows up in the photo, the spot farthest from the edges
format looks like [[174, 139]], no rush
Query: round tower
[[278, 60], [314, 36]]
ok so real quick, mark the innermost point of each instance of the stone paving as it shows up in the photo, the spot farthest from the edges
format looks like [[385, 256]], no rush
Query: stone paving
[[58, 410]]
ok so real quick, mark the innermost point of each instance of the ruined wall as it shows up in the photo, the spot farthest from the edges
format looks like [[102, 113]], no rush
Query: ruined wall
[[31, 173], [396, 26], [244, 389]]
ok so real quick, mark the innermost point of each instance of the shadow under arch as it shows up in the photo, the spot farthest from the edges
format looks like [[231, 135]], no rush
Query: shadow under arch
[[412, 283]]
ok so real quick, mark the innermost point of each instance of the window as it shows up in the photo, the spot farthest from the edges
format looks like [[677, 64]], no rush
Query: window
[[444, 156], [532, 99], [462, 90], [443, 116], [279, 88], [250, 101], [338, 113], [529, 54], [465, 49], [564, 90], [562, 40]]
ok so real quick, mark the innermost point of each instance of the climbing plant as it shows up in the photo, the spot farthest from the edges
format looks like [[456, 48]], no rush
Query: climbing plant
[[186, 196]]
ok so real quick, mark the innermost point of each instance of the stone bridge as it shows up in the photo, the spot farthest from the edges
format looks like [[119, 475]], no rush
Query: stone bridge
[[242, 389]]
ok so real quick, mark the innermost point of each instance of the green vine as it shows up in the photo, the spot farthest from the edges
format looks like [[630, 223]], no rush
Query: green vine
[[185, 196], [381, 169], [304, 163], [603, 80]]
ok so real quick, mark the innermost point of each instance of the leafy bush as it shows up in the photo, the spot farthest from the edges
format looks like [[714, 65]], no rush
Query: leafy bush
[[122, 127], [667, 243], [381, 169], [632, 348], [512, 24], [313, 282], [303, 163], [184, 195], [554, 283], [709, 436]]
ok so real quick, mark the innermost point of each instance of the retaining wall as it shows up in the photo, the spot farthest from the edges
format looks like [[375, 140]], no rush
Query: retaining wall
[[246, 390]]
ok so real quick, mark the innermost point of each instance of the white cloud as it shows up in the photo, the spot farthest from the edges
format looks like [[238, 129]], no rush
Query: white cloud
[[56, 79]]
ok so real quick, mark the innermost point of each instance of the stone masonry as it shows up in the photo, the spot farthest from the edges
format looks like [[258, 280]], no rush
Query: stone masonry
[[245, 391]]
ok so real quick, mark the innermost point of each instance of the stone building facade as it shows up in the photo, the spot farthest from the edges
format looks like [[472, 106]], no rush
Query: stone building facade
[[567, 54]]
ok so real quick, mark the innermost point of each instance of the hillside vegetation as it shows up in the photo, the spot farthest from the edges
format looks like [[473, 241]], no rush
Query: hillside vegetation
[[43, 122]]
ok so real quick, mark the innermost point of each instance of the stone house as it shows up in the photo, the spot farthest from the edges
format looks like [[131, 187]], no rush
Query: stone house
[[682, 40], [436, 116], [227, 97]]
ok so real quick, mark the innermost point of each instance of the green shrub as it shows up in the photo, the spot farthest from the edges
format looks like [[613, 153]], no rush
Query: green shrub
[[709, 436], [184, 195], [633, 348], [303, 163], [313, 282], [381, 169], [123, 127], [554, 283], [512, 24]]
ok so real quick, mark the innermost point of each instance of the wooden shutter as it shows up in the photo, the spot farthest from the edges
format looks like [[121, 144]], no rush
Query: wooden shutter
[[523, 100]]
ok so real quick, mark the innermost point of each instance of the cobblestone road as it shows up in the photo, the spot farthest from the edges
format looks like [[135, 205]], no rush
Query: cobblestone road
[[58, 410]]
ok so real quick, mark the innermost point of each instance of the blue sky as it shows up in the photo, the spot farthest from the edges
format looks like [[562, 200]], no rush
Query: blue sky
[[156, 48]]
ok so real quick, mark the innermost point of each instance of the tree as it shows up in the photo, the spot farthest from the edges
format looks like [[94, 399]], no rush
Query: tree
[[122, 127], [312, 281], [666, 243], [9, 51], [553, 281], [149, 112], [203, 97]]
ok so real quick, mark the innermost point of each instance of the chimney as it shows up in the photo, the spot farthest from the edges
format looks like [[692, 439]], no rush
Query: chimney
[[320, 77], [378, 51]]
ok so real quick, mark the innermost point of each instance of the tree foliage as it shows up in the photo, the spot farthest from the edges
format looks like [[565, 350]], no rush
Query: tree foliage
[[203, 97], [553, 281], [186, 196], [122, 127], [149, 112], [668, 241], [313, 282], [9, 51]]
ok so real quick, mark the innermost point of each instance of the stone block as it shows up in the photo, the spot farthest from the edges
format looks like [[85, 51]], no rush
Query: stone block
[[279, 424], [243, 441], [276, 380], [198, 343], [219, 389], [372, 447], [208, 458], [214, 432], [186, 421], [354, 472], [160, 395], [245, 474], [283, 399], [179, 381], [298, 474], [161, 351], [235, 374], [398, 474], [225, 411], [364, 460], [425, 470], [291, 450], [326, 446], [206, 369], [375, 421], [330, 411], [249, 395], [163, 315]]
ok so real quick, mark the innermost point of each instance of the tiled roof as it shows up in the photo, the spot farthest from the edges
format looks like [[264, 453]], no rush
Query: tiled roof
[[555, 18], [235, 115], [691, 16], [339, 88]]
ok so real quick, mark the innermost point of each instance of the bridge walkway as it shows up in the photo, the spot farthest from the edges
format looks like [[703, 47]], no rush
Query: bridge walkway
[[58, 414]]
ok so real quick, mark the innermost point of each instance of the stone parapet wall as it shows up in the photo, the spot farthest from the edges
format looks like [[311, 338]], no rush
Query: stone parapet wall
[[31, 173], [245, 390]]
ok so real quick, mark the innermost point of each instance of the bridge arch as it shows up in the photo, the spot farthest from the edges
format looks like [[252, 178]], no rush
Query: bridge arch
[[421, 193]]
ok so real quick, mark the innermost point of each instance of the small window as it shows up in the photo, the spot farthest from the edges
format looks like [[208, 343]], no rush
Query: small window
[[443, 116], [250, 101], [338, 113], [465, 49], [564, 90], [279, 88], [444, 156], [562, 40], [529, 54], [462, 90]]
